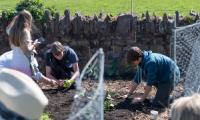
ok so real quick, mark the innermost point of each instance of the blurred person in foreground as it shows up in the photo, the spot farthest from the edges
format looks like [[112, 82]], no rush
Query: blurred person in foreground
[[186, 108], [157, 70], [20, 96]]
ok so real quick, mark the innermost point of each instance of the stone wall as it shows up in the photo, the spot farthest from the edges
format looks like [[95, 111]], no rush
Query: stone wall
[[115, 35]]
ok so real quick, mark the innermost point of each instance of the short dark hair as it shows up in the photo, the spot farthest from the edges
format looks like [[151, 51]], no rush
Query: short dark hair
[[134, 53], [57, 47]]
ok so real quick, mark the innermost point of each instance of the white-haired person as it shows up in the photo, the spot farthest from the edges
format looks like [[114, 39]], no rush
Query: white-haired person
[[21, 57], [20, 96], [186, 108]]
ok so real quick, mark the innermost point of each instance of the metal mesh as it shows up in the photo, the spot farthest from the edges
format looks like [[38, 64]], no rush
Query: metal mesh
[[187, 54], [89, 99], [192, 81]]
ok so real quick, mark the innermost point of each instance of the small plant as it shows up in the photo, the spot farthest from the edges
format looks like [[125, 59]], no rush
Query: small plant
[[108, 105], [68, 83], [45, 116]]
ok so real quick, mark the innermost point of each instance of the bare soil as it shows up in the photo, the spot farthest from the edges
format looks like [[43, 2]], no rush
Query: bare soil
[[60, 103]]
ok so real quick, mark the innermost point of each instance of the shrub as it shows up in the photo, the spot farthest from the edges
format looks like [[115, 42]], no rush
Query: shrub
[[9, 14], [52, 10], [189, 19], [36, 8]]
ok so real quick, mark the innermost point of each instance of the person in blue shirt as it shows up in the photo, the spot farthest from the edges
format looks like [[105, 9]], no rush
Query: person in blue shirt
[[62, 63], [157, 70]]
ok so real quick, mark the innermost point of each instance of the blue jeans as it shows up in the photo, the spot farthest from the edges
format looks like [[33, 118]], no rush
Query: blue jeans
[[164, 89]]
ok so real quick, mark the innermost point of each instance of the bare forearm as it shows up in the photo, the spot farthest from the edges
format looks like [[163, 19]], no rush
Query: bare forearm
[[75, 75], [146, 92], [48, 73], [51, 76], [46, 80]]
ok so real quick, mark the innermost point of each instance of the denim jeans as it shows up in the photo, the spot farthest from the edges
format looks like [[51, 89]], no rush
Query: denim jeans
[[162, 95], [164, 89]]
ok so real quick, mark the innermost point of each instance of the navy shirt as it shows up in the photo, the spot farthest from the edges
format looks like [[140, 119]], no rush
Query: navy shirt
[[156, 68], [61, 69]]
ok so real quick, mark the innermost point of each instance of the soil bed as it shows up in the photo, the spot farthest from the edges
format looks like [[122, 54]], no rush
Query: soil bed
[[60, 103]]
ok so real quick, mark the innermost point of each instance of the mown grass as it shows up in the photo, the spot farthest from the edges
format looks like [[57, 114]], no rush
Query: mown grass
[[90, 7]]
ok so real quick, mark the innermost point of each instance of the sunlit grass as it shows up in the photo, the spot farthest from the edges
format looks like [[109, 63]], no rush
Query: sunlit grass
[[91, 7]]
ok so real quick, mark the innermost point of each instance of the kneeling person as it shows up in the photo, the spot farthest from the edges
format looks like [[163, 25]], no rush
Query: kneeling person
[[157, 70], [62, 63]]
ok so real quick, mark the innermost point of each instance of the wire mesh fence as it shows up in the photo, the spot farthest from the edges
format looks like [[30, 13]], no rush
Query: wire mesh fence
[[89, 99], [186, 53]]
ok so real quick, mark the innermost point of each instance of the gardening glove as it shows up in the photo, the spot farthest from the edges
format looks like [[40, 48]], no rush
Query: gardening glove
[[68, 83]]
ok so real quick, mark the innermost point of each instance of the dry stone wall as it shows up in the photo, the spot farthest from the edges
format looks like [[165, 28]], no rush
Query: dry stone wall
[[115, 35]]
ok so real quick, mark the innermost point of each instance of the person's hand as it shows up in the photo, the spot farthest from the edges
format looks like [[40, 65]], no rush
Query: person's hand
[[138, 99], [36, 43], [124, 96], [60, 82], [53, 82]]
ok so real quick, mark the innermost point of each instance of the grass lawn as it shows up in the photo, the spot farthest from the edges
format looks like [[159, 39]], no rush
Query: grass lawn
[[90, 7]]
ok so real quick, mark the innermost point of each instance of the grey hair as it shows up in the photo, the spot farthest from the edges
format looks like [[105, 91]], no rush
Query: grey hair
[[186, 108]]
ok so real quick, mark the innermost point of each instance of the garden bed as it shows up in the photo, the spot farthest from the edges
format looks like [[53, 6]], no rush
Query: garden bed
[[60, 103]]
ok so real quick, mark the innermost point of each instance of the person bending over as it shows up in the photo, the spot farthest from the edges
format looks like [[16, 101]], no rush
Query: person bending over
[[62, 63], [157, 70]]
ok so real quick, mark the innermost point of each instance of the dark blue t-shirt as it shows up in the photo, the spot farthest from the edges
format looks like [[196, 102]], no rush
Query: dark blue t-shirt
[[61, 69]]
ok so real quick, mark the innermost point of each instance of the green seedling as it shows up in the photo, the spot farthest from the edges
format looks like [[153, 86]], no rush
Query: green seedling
[[46, 116], [68, 83], [108, 103], [80, 94]]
